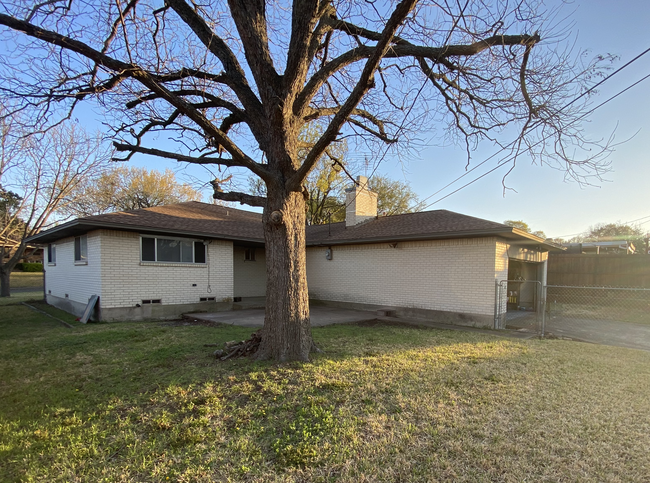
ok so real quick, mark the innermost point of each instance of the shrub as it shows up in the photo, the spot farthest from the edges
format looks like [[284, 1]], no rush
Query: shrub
[[31, 267]]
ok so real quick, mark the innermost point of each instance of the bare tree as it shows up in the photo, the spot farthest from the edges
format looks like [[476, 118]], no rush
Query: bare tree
[[234, 83], [42, 176]]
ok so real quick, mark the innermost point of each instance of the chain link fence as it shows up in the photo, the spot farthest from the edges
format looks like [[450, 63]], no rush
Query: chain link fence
[[573, 311], [568, 304], [519, 305]]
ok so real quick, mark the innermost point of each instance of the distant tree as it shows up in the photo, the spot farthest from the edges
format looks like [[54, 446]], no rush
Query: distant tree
[[612, 232], [41, 176], [325, 186], [394, 197], [521, 225], [130, 188]]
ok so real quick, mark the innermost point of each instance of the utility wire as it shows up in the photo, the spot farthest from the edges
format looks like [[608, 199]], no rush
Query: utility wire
[[624, 223], [591, 89], [511, 158]]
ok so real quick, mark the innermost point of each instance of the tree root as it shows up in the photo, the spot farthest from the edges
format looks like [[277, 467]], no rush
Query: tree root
[[247, 348]]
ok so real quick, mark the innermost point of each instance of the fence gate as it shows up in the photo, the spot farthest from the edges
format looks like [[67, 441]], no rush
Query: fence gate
[[519, 304]]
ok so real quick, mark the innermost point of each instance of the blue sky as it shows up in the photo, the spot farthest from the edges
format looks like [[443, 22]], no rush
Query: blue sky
[[543, 198]]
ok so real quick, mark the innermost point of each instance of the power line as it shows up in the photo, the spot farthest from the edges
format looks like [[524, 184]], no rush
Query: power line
[[591, 89], [623, 223], [511, 158]]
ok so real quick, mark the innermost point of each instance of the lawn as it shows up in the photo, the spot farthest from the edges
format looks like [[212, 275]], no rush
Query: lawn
[[27, 280], [146, 402]]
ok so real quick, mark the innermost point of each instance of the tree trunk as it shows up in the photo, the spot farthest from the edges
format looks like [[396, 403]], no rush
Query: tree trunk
[[5, 277], [286, 334], [6, 267]]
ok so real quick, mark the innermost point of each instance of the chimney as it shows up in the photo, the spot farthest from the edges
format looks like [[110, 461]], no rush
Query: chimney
[[361, 203]]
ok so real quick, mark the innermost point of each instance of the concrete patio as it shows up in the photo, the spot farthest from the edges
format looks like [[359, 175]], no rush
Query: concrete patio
[[325, 315]]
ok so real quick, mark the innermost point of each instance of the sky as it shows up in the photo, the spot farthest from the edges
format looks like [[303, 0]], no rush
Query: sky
[[541, 196], [543, 199]]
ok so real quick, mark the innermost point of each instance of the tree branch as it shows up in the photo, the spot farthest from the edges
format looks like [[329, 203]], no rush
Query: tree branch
[[303, 22], [250, 19], [435, 54], [366, 81], [330, 111], [145, 78], [219, 49], [236, 196], [215, 101], [122, 147]]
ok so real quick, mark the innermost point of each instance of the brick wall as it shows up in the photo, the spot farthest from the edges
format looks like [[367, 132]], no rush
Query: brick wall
[[78, 281], [127, 281], [447, 275], [249, 276]]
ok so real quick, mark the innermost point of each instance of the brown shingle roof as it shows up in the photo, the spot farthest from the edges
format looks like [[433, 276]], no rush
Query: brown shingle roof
[[191, 218], [426, 224], [211, 221]]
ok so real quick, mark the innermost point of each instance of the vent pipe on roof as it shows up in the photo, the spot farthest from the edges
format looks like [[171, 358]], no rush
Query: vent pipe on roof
[[360, 203]]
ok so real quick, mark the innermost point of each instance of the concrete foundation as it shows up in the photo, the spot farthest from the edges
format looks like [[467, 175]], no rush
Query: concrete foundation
[[438, 316], [144, 312]]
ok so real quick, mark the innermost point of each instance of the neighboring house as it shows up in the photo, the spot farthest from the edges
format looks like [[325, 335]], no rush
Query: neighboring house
[[602, 247], [164, 261]]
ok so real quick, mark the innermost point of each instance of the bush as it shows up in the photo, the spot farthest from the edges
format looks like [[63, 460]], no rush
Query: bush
[[31, 267]]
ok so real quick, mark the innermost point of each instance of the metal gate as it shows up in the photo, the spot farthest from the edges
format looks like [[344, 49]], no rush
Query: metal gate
[[519, 304]]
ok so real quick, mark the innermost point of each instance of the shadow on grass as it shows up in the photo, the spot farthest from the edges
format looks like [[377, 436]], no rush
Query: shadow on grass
[[99, 389]]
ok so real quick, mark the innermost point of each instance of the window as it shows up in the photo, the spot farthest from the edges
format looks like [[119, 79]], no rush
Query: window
[[172, 250], [51, 254], [81, 249], [249, 255]]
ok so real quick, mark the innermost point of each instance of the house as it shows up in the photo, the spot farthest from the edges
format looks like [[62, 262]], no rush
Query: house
[[163, 261], [603, 247]]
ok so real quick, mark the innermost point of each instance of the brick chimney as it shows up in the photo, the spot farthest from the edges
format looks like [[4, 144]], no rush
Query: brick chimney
[[361, 203]]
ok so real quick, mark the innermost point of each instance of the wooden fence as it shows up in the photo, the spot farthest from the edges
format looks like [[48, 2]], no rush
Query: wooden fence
[[599, 270]]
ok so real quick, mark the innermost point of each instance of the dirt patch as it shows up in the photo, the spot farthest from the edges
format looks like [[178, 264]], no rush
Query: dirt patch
[[192, 321], [386, 323]]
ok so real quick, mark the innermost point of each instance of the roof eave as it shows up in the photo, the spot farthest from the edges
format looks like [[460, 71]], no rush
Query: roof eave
[[79, 227], [508, 233]]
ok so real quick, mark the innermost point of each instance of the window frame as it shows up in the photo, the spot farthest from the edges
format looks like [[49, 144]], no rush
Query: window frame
[[78, 256], [193, 241], [249, 254], [51, 250]]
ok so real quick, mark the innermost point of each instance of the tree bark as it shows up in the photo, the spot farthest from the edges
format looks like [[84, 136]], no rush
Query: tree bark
[[286, 334], [5, 277], [6, 267]]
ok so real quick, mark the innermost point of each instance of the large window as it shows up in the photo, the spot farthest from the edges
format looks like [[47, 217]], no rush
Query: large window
[[81, 249], [172, 250]]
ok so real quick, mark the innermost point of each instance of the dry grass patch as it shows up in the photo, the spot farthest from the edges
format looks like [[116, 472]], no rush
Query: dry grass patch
[[145, 402]]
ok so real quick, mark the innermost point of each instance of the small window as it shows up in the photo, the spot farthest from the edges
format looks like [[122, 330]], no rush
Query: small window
[[81, 249], [207, 299], [249, 255], [51, 254], [151, 301]]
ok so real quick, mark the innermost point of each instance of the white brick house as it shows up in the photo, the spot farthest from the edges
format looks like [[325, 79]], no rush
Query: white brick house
[[164, 261]]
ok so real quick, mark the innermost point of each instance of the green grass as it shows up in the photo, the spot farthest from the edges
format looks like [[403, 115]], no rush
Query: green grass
[[27, 280], [17, 298], [147, 402]]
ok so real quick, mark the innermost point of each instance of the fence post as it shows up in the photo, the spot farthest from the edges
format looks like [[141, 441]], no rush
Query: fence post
[[496, 304], [543, 301]]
